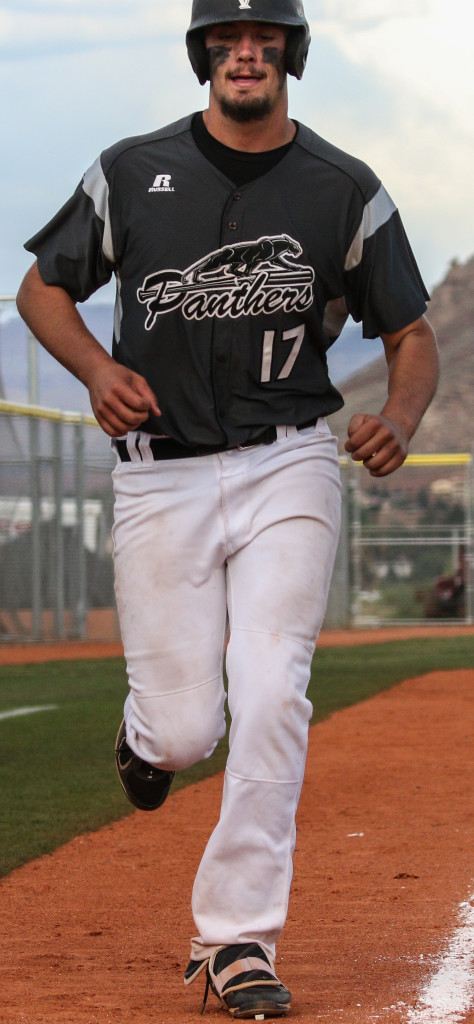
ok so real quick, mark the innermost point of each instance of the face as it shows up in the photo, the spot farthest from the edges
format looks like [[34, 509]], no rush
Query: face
[[247, 70]]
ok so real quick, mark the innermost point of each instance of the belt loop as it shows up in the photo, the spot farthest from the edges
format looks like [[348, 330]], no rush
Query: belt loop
[[144, 447], [133, 438], [286, 431]]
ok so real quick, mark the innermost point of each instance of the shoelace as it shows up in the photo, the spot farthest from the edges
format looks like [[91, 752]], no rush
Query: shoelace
[[206, 991]]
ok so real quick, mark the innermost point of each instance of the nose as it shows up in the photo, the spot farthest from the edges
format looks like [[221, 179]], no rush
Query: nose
[[246, 48]]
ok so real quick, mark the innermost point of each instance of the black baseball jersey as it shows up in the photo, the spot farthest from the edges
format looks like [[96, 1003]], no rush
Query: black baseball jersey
[[228, 298]]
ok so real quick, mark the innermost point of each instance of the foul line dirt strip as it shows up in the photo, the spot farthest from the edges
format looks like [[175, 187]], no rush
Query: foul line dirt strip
[[98, 932], [22, 654], [26, 654]]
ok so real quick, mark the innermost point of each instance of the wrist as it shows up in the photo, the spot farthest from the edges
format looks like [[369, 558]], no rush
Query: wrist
[[95, 359], [400, 420]]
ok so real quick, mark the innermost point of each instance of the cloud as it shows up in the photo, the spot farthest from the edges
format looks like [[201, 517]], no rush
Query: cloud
[[65, 26], [405, 107], [63, 111], [427, 50], [367, 11]]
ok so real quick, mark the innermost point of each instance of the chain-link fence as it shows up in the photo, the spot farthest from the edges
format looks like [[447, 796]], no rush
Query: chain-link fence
[[56, 575], [409, 540], [405, 554]]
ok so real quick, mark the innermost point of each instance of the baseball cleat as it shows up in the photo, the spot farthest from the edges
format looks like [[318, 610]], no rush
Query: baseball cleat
[[145, 786], [244, 980]]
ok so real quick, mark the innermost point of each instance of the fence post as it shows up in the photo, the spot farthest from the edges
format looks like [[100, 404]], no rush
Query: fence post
[[35, 497], [356, 538], [338, 609], [33, 370], [59, 530], [469, 556], [81, 604]]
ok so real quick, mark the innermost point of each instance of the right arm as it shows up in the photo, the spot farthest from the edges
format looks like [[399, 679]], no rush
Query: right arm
[[121, 399]]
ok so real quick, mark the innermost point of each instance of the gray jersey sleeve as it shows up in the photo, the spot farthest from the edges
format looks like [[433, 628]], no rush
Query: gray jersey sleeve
[[75, 250], [383, 286]]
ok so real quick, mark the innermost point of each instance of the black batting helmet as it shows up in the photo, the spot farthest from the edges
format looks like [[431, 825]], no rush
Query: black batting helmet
[[289, 13]]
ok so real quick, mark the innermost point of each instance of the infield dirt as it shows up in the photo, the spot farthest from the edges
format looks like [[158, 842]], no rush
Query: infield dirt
[[99, 931]]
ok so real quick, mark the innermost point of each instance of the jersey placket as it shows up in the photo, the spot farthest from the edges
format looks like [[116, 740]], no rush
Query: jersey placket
[[224, 328]]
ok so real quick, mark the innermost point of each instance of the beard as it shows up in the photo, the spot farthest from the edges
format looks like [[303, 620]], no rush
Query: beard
[[254, 110]]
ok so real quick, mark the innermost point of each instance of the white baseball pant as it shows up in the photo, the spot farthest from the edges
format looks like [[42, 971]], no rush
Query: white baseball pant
[[246, 537]]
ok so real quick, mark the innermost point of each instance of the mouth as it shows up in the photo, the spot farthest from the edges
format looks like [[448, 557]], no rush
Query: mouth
[[245, 81]]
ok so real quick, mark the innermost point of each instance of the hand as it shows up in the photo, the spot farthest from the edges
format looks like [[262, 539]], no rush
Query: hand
[[377, 442], [121, 399]]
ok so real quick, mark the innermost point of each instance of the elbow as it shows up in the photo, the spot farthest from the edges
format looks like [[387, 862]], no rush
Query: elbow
[[433, 350], [20, 297], [26, 291]]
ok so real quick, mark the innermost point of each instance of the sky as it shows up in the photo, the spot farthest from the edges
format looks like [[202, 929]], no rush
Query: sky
[[389, 81]]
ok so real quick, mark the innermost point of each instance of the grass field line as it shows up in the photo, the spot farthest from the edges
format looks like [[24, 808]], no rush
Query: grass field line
[[449, 994], [18, 712]]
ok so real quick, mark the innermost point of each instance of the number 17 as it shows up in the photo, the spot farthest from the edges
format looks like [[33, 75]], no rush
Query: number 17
[[268, 342]]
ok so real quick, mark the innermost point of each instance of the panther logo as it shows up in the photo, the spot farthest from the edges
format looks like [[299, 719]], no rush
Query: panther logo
[[243, 259], [244, 279]]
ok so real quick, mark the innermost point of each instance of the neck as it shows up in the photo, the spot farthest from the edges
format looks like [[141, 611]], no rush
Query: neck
[[249, 136]]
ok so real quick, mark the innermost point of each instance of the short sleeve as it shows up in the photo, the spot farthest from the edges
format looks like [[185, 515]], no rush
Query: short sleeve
[[383, 285], [75, 250]]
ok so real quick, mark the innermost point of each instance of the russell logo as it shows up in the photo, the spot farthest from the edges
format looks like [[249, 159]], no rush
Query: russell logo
[[162, 183], [245, 5]]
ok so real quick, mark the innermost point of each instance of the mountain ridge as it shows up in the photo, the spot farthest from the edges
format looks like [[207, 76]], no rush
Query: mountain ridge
[[448, 423]]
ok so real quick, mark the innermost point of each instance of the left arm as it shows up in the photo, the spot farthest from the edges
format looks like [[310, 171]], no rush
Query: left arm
[[381, 442]]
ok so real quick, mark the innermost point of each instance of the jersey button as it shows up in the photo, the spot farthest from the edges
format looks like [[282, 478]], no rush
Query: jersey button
[[237, 195], [233, 225]]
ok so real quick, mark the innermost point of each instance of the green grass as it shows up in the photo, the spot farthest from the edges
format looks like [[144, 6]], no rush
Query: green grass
[[57, 777], [347, 675]]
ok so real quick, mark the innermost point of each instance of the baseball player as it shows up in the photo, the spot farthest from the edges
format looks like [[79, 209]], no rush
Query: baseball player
[[240, 241]]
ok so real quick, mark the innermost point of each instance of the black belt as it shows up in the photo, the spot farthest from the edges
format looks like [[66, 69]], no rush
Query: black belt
[[168, 448]]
